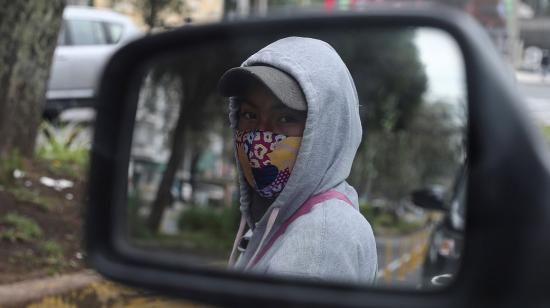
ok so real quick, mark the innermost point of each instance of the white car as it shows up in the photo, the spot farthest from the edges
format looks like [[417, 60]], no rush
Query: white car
[[87, 39]]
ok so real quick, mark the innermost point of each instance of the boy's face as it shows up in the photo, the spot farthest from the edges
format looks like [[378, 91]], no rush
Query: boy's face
[[261, 110]]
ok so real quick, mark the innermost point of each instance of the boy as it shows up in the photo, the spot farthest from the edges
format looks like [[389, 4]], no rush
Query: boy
[[295, 113]]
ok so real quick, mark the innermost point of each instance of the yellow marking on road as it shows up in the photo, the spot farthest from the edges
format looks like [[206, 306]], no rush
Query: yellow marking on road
[[388, 259], [411, 254]]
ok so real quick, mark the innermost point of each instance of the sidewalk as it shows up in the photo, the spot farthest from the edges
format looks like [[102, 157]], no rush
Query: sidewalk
[[534, 78], [31, 290], [82, 289]]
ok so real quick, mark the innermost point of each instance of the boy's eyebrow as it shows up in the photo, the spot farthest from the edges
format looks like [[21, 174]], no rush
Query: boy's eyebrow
[[282, 107], [244, 101]]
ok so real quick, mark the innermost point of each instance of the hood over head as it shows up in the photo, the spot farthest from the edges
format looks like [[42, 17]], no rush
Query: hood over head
[[333, 128]]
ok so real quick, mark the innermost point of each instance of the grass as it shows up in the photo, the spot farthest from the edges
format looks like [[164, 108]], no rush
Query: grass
[[62, 150], [52, 249], [196, 241], [28, 195], [20, 228], [49, 253], [205, 229], [54, 255]]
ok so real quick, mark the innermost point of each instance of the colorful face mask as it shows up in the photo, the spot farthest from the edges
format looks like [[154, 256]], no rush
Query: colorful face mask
[[267, 160]]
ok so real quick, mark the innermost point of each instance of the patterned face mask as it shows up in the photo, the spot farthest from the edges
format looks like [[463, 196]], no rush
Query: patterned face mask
[[267, 159]]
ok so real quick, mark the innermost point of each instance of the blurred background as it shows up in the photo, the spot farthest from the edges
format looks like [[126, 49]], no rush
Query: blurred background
[[50, 70]]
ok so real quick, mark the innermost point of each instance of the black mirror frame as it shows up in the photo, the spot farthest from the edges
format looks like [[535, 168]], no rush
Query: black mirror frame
[[507, 220]]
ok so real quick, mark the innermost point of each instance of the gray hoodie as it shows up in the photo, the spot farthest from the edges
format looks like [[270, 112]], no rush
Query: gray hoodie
[[333, 241]]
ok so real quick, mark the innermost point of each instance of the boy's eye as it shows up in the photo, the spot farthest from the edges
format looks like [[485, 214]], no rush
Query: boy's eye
[[287, 119], [248, 115]]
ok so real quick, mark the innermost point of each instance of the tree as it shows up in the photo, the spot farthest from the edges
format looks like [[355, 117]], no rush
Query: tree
[[152, 8], [200, 105], [390, 82], [28, 30]]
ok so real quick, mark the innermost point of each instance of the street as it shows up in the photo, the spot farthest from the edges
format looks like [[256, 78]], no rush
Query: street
[[537, 94], [400, 259]]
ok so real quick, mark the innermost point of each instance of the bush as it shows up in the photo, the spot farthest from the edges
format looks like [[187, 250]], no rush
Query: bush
[[61, 146], [384, 221], [217, 222], [138, 225], [20, 228]]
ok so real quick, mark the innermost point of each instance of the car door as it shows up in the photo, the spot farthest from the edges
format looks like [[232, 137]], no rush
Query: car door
[[60, 70], [78, 64]]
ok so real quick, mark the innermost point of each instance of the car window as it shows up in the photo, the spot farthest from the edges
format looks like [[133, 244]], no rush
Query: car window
[[114, 31], [86, 32], [62, 36]]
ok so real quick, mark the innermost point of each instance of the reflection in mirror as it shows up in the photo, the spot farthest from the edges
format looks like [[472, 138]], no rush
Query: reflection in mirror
[[356, 179]]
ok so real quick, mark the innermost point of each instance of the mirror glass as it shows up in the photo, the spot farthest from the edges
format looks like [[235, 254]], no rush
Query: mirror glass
[[380, 150]]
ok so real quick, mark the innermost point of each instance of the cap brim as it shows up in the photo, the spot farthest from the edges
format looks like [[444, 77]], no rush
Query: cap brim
[[237, 81]]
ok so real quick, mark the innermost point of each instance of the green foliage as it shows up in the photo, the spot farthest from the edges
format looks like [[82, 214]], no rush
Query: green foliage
[[198, 242], [390, 165], [52, 249], [137, 224], [62, 148], [24, 194], [386, 222], [209, 229], [19, 228], [54, 253], [216, 222]]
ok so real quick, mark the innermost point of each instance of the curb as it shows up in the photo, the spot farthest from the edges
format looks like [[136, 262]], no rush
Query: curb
[[30, 290]]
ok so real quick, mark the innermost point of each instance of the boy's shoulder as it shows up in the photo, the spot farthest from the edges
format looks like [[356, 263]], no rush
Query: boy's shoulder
[[334, 217]]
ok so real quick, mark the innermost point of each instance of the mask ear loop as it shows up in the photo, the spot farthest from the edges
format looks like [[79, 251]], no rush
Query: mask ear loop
[[236, 243]]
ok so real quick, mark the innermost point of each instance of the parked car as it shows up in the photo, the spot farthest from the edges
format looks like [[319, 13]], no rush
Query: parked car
[[87, 39], [447, 237]]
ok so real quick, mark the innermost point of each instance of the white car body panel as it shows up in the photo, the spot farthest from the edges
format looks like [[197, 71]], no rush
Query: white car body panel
[[76, 69]]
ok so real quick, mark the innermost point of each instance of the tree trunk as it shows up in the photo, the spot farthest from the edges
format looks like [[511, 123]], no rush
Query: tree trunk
[[28, 34], [162, 198], [193, 90], [152, 17]]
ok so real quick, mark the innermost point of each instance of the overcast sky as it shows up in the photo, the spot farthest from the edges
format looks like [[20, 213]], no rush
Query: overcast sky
[[444, 65]]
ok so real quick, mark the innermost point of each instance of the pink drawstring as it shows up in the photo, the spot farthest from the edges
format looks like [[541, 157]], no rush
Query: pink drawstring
[[270, 222], [236, 243]]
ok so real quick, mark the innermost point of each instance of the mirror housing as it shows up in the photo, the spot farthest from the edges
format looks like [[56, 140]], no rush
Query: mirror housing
[[508, 165]]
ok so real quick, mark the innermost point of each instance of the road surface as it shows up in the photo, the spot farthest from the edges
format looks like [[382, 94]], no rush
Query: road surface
[[537, 94]]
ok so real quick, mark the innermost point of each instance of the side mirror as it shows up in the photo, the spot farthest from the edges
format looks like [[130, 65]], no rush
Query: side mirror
[[507, 164], [430, 198]]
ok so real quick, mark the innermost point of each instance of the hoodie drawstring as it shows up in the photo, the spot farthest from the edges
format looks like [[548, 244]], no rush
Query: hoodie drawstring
[[270, 222], [236, 243]]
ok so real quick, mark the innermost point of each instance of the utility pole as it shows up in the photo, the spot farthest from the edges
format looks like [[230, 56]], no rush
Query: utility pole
[[512, 27]]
